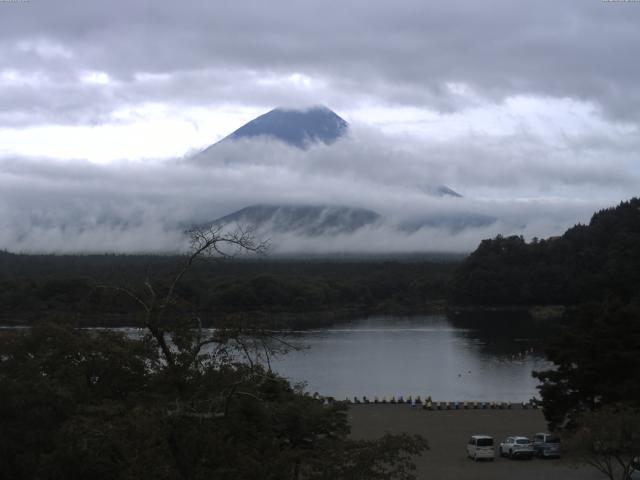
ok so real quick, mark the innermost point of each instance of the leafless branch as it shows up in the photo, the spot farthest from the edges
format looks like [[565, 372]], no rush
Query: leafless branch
[[266, 353], [280, 340], [211, 241]]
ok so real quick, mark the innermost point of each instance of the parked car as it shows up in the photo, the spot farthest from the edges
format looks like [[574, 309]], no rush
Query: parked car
[[517, 447], [480, 446], [635, 473], [546, 445]]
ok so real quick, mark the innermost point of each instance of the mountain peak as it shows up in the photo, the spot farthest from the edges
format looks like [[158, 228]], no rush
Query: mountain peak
[[296, 127]]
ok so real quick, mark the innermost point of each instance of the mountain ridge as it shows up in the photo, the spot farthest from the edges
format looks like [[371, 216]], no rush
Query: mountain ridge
[[318, 219], [306, 220], [298, 128]]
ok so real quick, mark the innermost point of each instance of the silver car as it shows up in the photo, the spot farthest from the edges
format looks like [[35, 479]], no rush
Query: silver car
[[516, 447]]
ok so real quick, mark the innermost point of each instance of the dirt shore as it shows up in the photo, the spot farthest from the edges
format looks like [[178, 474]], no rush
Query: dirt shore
[[448, 431]]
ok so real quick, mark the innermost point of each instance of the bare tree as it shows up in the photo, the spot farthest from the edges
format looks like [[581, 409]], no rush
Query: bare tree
[[158, 299], [608, 439]]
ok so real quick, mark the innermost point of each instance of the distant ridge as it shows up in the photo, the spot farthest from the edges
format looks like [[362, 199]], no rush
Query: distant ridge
[[331, 220], [297, 128], [306, 220], [441, 191]]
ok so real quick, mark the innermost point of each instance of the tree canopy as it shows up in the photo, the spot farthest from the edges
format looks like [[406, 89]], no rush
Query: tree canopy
[[607, 439], [587, 263], [175, 402], [596, 360]]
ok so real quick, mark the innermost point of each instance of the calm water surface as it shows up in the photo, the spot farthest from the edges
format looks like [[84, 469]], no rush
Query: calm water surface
[[450, 359], [421, 355]]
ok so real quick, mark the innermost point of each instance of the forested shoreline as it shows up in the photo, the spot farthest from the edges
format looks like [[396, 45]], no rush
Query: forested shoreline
[[594, 272], [587, 263], [278, 292]]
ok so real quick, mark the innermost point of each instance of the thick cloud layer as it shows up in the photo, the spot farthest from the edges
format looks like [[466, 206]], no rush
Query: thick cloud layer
[[144, 206], [529, 109], [79, 61]]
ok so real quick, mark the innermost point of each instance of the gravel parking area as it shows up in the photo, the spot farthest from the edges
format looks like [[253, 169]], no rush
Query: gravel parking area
[[448, 432]]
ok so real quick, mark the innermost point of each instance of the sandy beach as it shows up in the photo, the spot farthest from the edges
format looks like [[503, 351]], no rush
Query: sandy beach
[[448, 431]]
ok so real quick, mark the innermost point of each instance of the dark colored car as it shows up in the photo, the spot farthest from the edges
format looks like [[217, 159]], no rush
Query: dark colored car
[[546, 445]]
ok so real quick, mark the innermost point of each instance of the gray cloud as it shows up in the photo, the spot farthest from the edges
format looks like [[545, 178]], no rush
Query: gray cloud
[[408, 52], [144, 206], [536, 167]]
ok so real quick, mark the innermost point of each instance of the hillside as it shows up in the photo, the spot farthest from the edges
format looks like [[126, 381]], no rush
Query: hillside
[[305, 220], [588, 263]]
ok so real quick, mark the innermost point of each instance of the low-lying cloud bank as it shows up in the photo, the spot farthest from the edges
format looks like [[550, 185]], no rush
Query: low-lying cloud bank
[[77, 206]]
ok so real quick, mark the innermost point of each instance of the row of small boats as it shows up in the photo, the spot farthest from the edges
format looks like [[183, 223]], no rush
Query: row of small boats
[[428, 404]]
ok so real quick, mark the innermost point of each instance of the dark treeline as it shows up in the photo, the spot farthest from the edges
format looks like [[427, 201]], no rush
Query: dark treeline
[[179, 402], [593, 270], [33, 285], [589, 262]]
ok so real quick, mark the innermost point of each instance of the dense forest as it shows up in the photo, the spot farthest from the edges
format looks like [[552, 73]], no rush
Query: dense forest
[[594, 271], [35, 285], [589, 262]]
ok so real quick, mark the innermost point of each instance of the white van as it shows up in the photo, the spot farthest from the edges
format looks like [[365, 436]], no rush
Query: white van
[[480, 446]]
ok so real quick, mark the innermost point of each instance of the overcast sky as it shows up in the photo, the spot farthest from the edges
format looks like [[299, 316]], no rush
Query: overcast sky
[[529, 109]]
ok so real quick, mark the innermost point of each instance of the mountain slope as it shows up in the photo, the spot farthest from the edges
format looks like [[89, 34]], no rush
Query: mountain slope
[[305, 220], [316, 220], [441, 191], [297, 128], [452, 222]]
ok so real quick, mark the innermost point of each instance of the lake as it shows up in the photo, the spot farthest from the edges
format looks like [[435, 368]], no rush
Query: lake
[[419, 355], [487, 356]]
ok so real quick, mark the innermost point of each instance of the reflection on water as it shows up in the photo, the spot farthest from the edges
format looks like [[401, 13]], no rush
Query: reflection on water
[[504, 332], [422, 355], [471, 356]]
